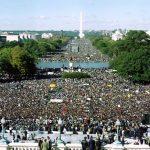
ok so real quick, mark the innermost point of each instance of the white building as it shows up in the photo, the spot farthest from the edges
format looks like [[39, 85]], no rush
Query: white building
[[36, 36], [24, 36], [12, 37], [15, 37], [47, 35], [21, 36], [148, 32], [117, 35]]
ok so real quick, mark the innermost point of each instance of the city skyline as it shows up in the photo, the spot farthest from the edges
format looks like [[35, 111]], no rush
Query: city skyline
[[65, 14]]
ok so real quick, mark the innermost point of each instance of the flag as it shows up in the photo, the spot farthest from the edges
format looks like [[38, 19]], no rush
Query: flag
[[52, 85]]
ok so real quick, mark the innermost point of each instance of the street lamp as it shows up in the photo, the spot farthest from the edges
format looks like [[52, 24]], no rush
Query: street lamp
[[90, 111], [117, 139], [38, 122], [3, 141], [59, 141]]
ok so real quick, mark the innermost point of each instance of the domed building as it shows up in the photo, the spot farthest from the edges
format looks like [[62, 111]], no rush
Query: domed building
[[47, 35], [117, 35], [148, 32]]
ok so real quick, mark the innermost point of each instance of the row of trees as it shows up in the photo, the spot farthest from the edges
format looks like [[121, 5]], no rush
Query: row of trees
[[130, 56], [20, 58], [37, 47]]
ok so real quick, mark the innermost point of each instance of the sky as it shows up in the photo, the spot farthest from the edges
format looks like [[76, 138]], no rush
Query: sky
[[65, 14]]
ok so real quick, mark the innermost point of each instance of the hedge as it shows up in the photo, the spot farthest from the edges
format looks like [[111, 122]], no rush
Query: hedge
[[77, 75]]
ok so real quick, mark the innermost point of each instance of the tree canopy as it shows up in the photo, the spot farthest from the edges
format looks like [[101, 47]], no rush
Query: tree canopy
[[19, 58], [22, 61], [104, 44], [5, 61], [133, 65], [16, 61], [130, 56]]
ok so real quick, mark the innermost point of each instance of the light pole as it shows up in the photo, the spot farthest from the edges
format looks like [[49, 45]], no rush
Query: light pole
[[38, 122], [3, 140], [89, 103], [117, 139], [59, 141]]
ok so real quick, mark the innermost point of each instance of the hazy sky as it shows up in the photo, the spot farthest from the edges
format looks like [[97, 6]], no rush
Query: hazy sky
[[64, 14]]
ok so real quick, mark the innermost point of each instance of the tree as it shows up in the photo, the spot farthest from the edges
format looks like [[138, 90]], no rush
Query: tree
[[133, 65], [5, 61], [43, 48], [32, 47], [104, 44], [132, 59], [132, 41], [22, 61]]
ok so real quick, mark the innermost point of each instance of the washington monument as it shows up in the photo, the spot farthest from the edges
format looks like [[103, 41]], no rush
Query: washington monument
[[81, 34]]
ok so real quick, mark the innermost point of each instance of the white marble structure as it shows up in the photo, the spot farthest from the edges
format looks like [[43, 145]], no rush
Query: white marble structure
[[3, 147], [25, 36], [117, 36], [23, 146], [148, 32], [12, 37], [81, 34], [21, 36], [47, 35]]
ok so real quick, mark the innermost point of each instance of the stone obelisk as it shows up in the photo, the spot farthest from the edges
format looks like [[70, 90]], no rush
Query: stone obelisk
[[81, 34]]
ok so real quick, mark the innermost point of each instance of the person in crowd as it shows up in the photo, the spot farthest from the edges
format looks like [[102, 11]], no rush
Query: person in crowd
[[91, 144], [98, 143], [122, 140], [148, 141], [84, 144], [40, 141], [49, 143], [45, 145], [25, 134]]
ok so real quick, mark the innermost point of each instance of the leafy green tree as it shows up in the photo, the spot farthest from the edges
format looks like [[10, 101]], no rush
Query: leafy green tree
[[22, 61], [104, 44], [132, 59], [43, 48], [19, 58], [5, 61], [132, 41], [133, 65], [131, 55], [32, 47]]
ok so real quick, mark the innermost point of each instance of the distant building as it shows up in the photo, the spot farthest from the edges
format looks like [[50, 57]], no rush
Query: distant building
[[148, 32], [47, 35], [11, 37], [36, 36], [117, 35], [2, 38], [25, 36], [74, 47], [19, 37]]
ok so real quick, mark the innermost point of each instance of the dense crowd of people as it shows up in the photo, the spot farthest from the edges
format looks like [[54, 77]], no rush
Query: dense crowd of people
[[105, 95], [86, 52], [88, 105]]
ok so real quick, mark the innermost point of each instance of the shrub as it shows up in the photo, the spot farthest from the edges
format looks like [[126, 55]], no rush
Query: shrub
[[77, 75]]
